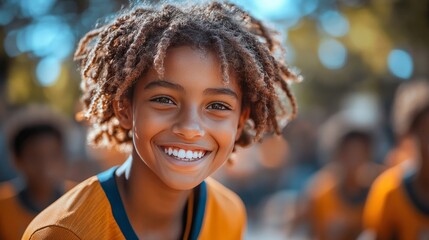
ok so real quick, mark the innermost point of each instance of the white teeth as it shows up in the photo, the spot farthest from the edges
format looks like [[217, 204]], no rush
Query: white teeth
[[189, 154], [182, 153]]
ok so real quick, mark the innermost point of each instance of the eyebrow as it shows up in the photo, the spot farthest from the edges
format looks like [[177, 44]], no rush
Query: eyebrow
[[164, 84], [209, 91], [223, 91]]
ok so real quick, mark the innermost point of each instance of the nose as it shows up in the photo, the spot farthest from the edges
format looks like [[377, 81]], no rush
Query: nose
[[188, 124]]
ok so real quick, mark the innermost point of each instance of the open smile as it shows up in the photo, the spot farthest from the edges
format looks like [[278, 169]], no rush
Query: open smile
[[185, 155]]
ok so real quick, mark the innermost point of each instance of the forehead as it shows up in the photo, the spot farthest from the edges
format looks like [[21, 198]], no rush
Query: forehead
[[187, 55], [186, 64]]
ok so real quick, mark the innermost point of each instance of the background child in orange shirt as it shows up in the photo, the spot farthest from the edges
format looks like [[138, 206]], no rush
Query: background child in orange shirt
[[36, 140], [397, 206]]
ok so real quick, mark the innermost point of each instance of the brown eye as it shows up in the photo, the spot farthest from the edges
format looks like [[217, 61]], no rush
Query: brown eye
[[162, 100], [218, 106]]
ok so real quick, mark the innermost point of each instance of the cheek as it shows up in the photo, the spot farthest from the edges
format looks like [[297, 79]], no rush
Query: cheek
[[147, 123], [224, 133]]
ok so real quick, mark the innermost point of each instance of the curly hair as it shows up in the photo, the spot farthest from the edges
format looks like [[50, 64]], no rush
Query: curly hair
[[115, 55]]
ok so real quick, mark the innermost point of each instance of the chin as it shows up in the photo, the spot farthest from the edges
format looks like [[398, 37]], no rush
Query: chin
[[182, 184]]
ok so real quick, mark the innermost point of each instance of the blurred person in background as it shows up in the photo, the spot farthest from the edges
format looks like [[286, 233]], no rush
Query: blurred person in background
[[266, 160], [36, 140], [410, 99], [338, 194], [398, 204]]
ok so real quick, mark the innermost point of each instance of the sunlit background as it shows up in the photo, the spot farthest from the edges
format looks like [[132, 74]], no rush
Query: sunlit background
[[340, 46], [351, 53]]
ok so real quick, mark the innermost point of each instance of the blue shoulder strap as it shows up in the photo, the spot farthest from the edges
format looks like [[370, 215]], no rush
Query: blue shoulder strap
[[108, 183], [199, 210]]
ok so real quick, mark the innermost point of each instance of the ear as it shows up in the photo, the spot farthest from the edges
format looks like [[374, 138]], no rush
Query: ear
[[245, 113], [123, 112]]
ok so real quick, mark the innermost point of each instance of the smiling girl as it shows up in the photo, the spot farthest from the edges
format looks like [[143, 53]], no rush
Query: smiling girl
[[176, 85]]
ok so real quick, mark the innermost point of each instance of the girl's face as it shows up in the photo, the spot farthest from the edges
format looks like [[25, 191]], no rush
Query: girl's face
[[185, 125]]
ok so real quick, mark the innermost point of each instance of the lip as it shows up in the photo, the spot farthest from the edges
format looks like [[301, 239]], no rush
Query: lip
[[183, 165], [192, 147]]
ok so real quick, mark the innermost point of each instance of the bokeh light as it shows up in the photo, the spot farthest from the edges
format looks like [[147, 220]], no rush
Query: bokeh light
[[332, 54], [48, 36], [47, 71], [287, 11], [400, 63], [10, 45], [308, 6], [35, 8], [334, 23]]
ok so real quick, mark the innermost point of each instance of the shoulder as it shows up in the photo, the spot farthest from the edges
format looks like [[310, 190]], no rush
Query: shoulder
[[80, 206], [225, 215], [385, 187], [321, 182], [389, 180], [223, 198]]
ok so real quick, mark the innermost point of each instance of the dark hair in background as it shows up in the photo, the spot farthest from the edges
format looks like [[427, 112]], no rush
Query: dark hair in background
[[360, 135], [115, 55], [21, 138], [32, 121]]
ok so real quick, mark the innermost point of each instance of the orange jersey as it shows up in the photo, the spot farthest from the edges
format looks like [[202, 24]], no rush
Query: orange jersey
[[94, 210], [322, 181], [14, 217], [387, 181], [16, 212], [333, 216], [400, 214]]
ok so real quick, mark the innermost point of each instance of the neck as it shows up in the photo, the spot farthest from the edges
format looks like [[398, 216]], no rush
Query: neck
[[151, 205]]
